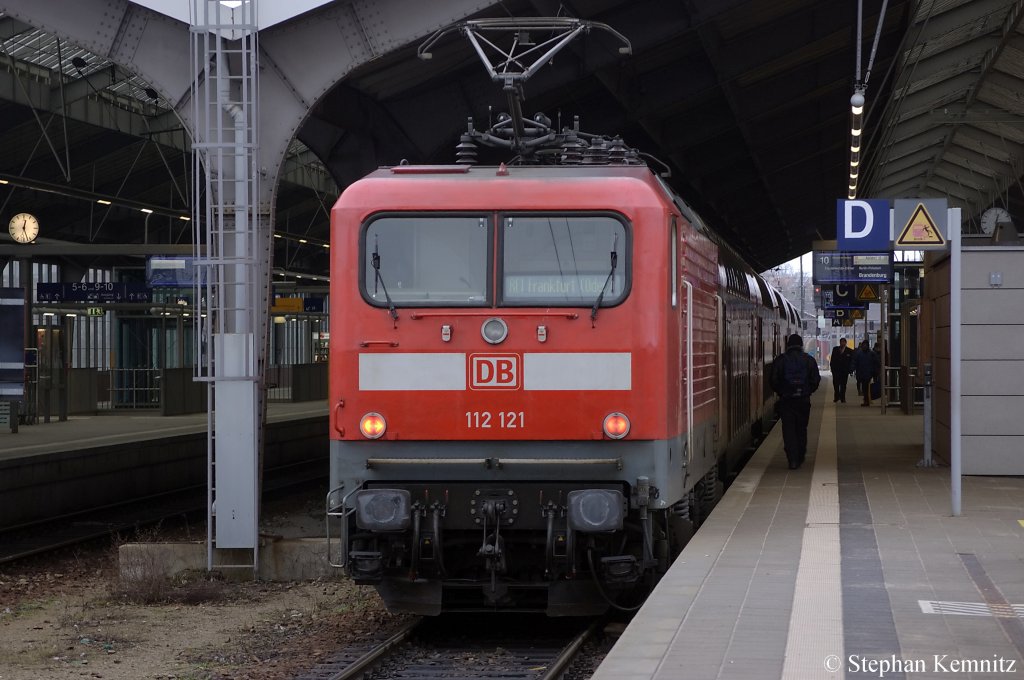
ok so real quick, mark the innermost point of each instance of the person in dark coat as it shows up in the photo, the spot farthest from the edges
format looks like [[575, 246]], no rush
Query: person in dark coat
[[853, 367], [841, 363], [867, 365], [794, 377]]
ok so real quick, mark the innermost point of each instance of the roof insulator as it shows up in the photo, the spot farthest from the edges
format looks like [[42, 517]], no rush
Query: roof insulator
[[617, 151], [572, 150], [597, 154], [465, 151]]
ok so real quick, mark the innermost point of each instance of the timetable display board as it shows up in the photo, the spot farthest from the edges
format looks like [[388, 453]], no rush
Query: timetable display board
[[837, 266], [93, 291]]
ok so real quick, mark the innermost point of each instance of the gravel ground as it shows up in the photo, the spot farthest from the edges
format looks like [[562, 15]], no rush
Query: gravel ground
[[67, 615]]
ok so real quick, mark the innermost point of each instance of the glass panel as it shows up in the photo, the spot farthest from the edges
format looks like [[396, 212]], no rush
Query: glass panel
[[563, 260], [427, 260]]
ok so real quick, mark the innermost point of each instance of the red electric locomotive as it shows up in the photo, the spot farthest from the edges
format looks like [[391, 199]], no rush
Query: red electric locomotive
[[537, 373], [527, 368]]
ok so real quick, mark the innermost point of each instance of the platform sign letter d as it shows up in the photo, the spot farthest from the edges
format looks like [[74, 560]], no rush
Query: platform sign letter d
[[863, 225]]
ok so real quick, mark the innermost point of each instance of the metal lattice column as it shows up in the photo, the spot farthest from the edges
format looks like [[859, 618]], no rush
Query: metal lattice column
[[229, 289]]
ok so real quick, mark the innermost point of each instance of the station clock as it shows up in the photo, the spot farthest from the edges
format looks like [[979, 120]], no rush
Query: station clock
[[24, 227]]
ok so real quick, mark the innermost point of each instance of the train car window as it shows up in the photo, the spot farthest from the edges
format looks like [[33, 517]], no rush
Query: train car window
[[564, 260], [426, 260]]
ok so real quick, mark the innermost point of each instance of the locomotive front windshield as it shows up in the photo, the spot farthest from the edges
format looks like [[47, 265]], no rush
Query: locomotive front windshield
[[565, 260], [562, 260], [426, 260]]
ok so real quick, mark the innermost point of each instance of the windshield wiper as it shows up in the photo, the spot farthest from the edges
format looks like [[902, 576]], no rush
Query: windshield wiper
[[600, 297], [379, 279]]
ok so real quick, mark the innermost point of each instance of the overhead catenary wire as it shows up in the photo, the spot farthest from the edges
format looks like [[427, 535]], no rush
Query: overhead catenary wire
[[874, 45], [857, 101]]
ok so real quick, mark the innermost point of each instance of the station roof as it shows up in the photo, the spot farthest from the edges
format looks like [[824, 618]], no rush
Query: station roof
[[747, 102]]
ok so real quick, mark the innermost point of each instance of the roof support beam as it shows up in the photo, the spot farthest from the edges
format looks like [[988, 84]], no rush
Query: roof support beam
[[1009, 27], [10, 27], [712, 46], [165, 130], [85, 86], [910, 189]]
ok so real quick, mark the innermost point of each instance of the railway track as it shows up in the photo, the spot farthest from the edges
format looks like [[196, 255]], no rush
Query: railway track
[[510, 647], [57, 532]]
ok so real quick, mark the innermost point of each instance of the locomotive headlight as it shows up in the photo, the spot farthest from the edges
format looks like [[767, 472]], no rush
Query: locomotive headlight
[[383, 509], [616, 425], [494, 330], [373, 425], [596, 510]]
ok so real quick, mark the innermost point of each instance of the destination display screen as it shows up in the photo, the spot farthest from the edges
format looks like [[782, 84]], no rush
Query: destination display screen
[[837, 266]]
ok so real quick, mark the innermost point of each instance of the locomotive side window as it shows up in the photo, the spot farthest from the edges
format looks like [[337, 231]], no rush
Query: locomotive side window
[[424, 260], [564, 260]]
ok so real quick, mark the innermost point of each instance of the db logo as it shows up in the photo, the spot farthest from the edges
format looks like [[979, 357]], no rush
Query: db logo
[[494, 372]]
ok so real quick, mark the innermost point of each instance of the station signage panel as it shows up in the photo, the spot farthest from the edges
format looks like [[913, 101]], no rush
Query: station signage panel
[[174, 272], [840, 296], [843, 313], [93, 291], [867, 292], [863, 225], [287, 305], [835, 266], [920, 224]]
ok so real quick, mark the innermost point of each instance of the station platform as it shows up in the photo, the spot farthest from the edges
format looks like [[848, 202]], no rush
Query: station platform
[[62, 469], [119, 427], [850, 566]]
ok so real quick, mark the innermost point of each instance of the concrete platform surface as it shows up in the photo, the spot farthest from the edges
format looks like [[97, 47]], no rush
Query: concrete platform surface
[[851, 566], [79, 432]]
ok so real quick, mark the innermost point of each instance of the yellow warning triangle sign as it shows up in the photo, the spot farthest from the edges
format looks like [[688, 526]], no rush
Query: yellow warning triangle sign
[[920, 230], [867, 292]]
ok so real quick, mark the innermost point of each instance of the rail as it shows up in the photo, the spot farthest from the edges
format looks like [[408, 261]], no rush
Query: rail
[[562, 661], [363, 663], [457, 649]]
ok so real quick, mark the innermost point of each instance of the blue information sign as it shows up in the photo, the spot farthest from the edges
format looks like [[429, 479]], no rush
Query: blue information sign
[[863, 225], [836, 266], [93, 292]]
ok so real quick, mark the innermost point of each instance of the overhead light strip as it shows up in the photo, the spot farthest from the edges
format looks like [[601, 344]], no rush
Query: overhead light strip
[[856, 131]]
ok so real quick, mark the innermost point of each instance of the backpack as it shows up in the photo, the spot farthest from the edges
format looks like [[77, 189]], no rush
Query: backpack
[[794, 375]]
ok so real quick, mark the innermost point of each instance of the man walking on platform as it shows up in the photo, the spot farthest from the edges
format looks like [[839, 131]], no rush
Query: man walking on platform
[[868, 365], [841, 363], [794, 377]]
